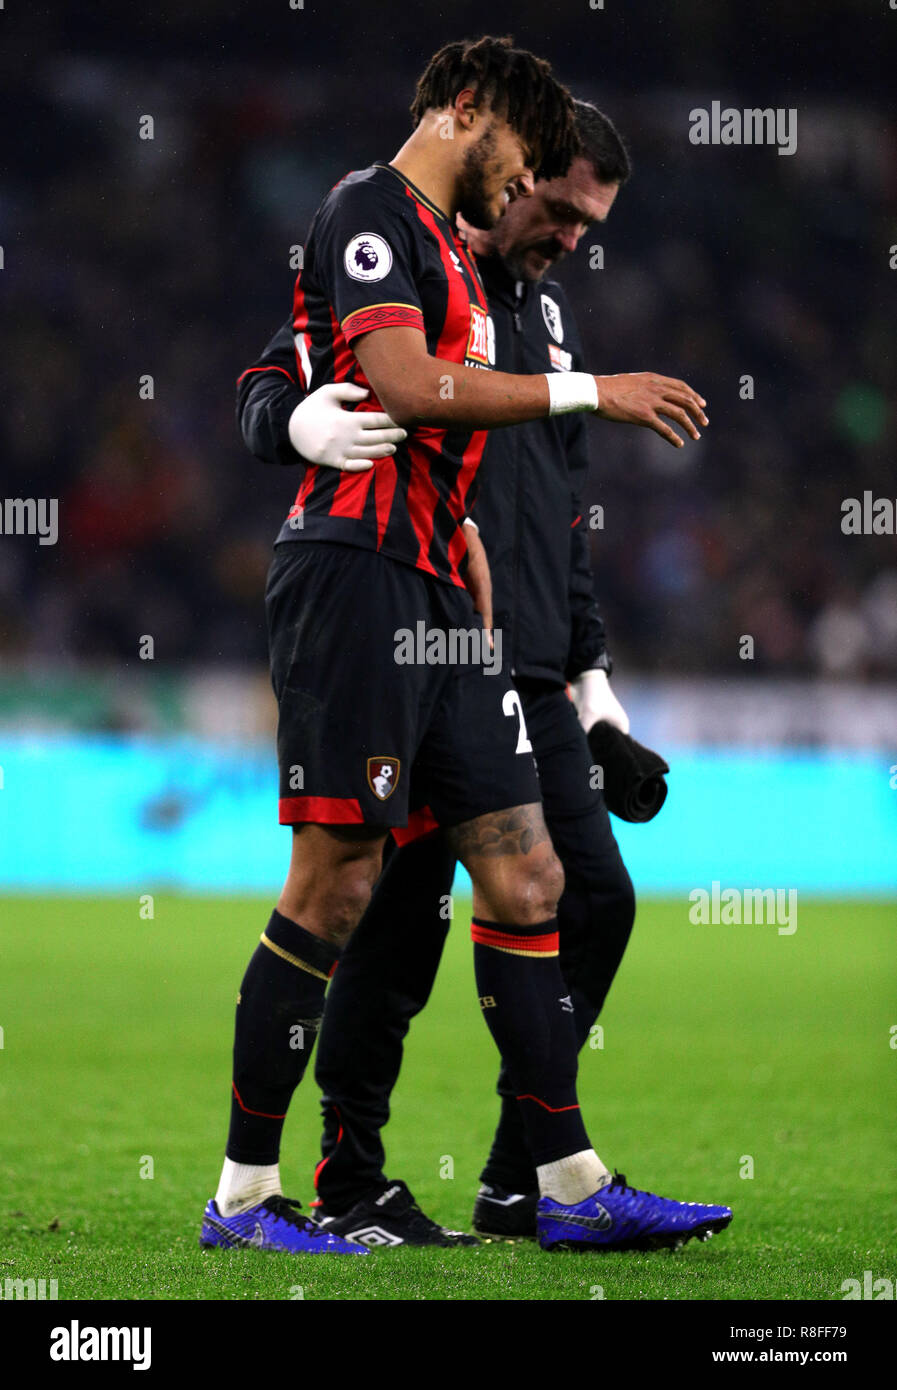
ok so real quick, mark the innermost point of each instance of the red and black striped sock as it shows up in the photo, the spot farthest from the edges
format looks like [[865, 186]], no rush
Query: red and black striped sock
[[527, 1007], [279, 1010]]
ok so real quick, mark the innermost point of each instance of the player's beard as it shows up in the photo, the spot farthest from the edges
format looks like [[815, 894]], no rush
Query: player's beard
[[473, 202]]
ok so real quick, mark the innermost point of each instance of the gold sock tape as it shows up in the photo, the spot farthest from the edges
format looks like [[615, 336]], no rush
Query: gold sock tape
[[293, 960], [513, 951]]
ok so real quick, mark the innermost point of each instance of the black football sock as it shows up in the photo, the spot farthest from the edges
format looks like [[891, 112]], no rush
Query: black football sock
[[509, 1164], [595, 925], [385, 976], [527, 1007], [279, 1010]]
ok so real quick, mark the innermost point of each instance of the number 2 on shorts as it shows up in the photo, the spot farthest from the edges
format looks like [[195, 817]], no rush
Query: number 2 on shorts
[[511, 705]]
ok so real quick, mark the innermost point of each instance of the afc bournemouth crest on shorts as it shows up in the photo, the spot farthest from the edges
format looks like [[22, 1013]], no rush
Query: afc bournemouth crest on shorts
[[383, 777]]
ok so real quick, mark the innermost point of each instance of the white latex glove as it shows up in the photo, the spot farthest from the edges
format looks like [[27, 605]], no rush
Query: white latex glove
[[322, 432], [594, 700]]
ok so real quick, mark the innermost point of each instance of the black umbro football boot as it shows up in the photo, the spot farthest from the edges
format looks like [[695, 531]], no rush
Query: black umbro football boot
[[387, 1217], [501, 1215]]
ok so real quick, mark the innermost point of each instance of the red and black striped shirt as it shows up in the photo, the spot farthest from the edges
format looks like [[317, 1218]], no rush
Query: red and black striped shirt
[[381, 255]]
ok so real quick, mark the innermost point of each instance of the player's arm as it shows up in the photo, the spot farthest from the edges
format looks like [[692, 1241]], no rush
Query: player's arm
[[588, 640], [478, 577], [419, 389], [588, 660], [365, 254], [282, 423], [267, 394]]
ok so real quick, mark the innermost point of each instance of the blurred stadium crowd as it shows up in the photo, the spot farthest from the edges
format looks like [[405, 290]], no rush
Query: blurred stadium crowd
[[170, 257]]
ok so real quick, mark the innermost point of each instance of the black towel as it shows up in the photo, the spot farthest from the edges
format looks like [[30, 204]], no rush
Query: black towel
[[634, 788]]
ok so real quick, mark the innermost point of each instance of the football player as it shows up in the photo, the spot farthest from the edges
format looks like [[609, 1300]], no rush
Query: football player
[[390, 299]]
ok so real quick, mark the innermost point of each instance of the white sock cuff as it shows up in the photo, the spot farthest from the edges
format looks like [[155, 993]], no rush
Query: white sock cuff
[[572, 1179], [244, 1185]]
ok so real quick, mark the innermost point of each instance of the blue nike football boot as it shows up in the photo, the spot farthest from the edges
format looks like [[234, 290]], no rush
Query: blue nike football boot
[[274, 1224], [618, 1217]]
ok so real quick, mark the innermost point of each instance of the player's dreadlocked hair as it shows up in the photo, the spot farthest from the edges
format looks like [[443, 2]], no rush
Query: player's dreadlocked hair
[[517, 84]]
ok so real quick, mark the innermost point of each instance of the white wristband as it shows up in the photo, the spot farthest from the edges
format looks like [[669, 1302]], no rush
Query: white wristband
[[569, 391]]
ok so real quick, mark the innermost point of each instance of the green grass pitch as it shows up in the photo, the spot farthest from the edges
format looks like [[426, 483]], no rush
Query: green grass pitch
[[721, 1045]]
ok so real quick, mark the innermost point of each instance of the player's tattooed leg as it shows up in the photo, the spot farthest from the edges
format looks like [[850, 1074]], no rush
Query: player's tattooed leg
[[517, 881], [517, 877], [514, 831]]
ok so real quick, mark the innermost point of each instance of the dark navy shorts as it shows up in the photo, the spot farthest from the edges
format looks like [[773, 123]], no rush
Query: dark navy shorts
[[388, 714]]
